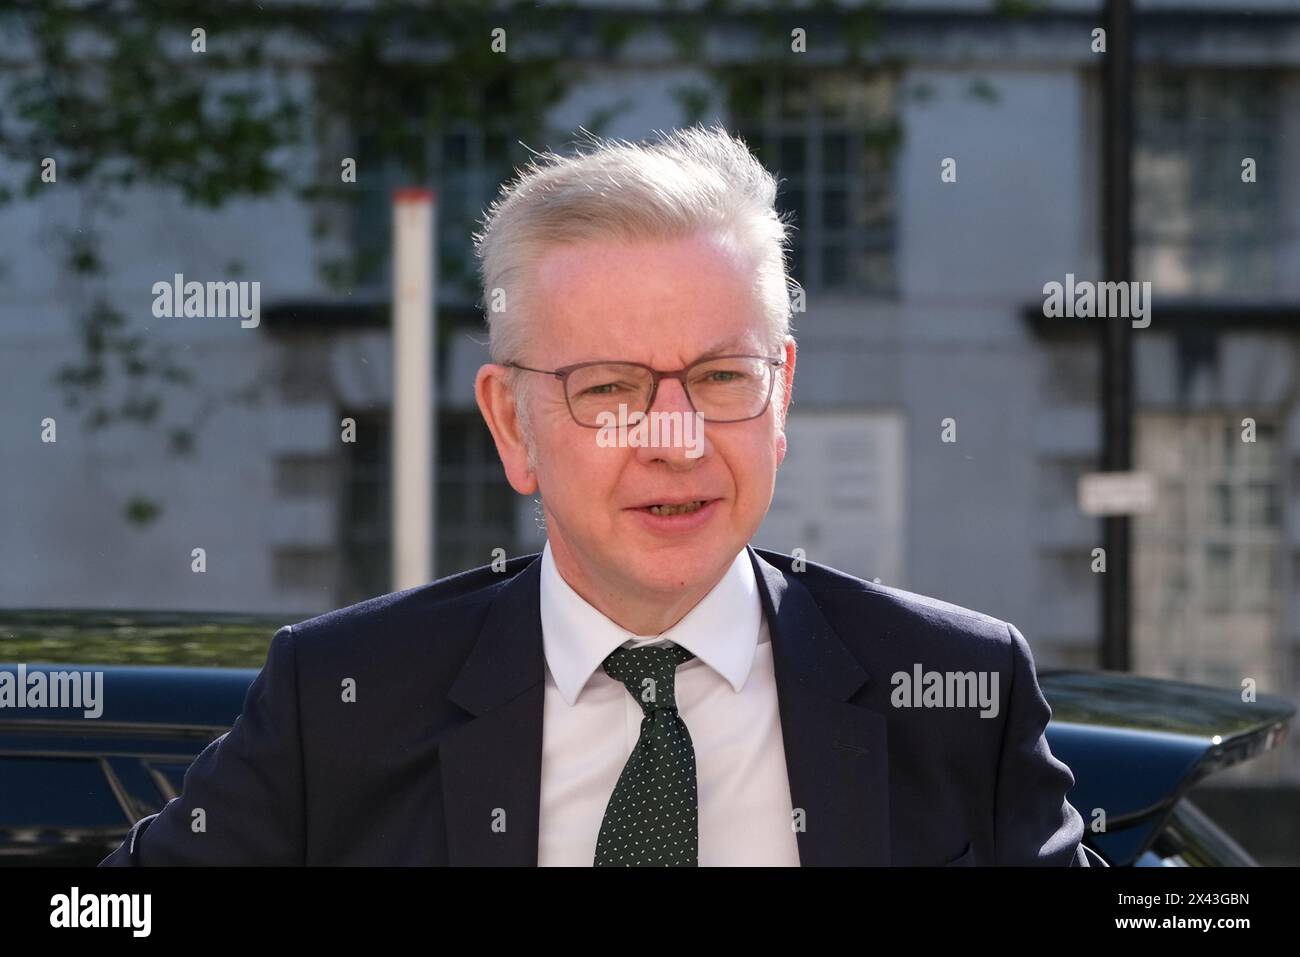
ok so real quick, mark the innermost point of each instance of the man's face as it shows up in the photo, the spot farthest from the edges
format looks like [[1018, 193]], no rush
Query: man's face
[[665, 304]]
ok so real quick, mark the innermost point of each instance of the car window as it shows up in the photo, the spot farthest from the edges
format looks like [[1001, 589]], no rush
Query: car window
[[1190, 839], [169, 776], [56, 792]]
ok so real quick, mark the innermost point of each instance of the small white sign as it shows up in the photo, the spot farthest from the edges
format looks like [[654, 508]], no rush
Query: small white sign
[[840, 493], [1117, 493]]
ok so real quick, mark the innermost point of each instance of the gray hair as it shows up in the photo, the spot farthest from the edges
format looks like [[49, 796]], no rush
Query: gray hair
[[688, 182]]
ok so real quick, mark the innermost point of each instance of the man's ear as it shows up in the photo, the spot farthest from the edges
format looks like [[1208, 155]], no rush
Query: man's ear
[[787, 393], [496, 401]]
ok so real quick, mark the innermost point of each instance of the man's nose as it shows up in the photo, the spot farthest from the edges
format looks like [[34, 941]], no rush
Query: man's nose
[[678, 437], [671, 397]]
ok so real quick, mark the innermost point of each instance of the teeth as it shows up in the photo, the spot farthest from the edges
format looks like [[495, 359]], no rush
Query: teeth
[[676, 509]]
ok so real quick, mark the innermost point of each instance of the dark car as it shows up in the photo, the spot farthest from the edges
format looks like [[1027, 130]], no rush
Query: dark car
[[70, 785]]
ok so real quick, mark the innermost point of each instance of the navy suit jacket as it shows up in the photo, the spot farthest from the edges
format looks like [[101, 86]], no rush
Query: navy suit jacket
[[443, 742]]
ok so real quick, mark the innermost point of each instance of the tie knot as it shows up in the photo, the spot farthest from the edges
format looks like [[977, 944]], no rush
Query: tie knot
[[649, 674]]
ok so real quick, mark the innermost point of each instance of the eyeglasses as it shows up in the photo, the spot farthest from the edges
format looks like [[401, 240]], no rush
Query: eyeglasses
[[720, 388]]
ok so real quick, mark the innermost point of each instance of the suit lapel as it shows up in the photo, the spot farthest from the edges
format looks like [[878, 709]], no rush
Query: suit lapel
[[835, 751], [492, 765]]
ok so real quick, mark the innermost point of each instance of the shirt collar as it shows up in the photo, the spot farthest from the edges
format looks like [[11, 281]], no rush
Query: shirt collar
[[722, 630]]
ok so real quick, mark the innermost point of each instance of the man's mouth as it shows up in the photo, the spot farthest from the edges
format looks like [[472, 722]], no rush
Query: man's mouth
[[680, 508]]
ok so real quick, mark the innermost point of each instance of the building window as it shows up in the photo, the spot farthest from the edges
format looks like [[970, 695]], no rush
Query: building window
[[475, 503], [830, 139], [464, 156], [367, 507], [1207, 594], [1198, 228]]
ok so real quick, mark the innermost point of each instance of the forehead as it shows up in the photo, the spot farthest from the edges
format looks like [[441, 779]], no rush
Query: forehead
[[652, 300]]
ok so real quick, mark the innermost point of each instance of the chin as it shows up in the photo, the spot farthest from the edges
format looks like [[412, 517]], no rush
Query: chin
[[672, 569], [668, 580]]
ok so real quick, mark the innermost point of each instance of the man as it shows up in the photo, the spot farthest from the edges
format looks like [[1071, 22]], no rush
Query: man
[[650, 689]]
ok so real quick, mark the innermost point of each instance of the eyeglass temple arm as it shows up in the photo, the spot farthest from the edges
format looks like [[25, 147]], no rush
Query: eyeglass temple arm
[[553, 372]]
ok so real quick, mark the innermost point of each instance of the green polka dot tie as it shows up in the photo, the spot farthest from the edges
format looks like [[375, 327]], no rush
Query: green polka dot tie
[[652, 817]]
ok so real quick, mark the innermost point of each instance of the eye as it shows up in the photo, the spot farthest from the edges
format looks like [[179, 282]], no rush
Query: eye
[[722, 377], [603, 389]]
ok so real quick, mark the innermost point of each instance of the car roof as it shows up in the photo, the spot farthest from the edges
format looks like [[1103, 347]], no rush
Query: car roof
[[1137, 744]]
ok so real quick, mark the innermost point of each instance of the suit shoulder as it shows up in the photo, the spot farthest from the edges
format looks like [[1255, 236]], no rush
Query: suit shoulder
[[832, 587], [445, 605]]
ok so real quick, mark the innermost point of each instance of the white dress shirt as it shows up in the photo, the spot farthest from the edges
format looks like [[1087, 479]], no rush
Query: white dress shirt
[[726, 695]]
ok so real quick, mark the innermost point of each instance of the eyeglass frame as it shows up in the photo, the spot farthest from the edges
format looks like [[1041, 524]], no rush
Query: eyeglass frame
[[657, 375]]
